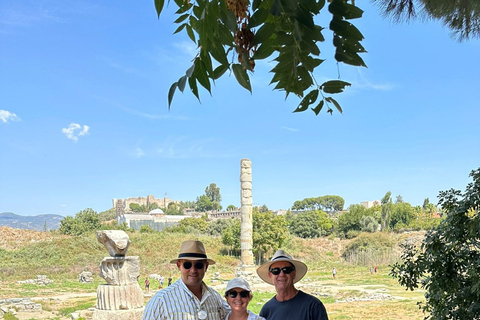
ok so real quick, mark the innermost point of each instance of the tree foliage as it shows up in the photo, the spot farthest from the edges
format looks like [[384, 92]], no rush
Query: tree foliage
[[232, 35], [310, 224], [210, 200], [447, 263], [461, 17], [386, 210], [269, 233], [327, 203], [85, 221]]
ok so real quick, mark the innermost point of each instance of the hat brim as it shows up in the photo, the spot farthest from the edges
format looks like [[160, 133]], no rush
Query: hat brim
[[300, 268], [210, 261]]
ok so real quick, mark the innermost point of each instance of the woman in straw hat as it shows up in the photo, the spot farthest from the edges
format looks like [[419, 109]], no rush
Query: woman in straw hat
[[238, 295], [188, 297], [283, 272]]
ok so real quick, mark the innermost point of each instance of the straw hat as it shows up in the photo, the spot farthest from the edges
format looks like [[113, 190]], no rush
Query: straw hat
[[238, 283], [192, 250], [280, 255]]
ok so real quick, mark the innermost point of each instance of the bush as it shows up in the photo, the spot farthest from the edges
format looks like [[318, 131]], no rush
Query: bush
[[352, 234], [371, 249]]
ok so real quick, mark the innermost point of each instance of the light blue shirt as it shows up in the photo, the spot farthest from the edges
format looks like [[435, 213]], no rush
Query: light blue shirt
[[177, 302]]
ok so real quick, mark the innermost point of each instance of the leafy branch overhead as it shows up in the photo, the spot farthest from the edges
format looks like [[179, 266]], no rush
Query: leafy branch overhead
[[232, 34]]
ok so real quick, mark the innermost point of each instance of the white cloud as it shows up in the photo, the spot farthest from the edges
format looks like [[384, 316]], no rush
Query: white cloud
[[290, 129], [75, 130], [6, 116]]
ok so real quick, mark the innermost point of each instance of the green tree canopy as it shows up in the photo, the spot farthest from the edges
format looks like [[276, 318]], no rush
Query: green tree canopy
[[447, 264], [84, 222], [310, 224]]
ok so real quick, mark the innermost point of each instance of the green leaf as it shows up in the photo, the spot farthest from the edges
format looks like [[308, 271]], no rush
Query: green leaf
[[335, 103], [181, 83], [218, 53], [192, 82], [310, 98], [180, 28], [219, 71], [264, 51], [319, 107], [258, 18], [264, 33], [201, 74], [241, 76], [190, 33], [171, 92], [206, 61], [334, 86], [159, 7], [181, 18]]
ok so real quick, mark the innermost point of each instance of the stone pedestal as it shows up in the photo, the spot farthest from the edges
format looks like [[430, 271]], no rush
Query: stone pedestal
[[121, 298]]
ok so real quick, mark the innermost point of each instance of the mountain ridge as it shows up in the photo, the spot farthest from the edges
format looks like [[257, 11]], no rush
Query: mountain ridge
[[42, 222]]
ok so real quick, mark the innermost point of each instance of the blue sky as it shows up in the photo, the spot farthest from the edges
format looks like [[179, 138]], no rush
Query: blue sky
[[84, 115]]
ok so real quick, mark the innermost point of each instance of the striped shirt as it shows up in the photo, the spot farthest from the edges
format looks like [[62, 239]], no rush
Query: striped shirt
[[177, 302]]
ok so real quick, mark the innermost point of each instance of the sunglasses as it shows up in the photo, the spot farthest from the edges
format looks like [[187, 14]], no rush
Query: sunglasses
[[233, 294], [286, 270], [198, 265]]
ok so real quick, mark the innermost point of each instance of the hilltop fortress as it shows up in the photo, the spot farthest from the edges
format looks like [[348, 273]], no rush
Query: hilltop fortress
[[143, 201]]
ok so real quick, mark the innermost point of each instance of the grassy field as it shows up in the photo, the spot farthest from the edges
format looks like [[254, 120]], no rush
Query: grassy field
[[354, 294]]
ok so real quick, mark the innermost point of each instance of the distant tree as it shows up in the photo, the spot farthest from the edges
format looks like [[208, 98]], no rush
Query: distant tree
[[350, 220], [324, 203], [368, 224], [216, 227], [401, 215], [426, 202], [231, 236], [399, 199], [135, 207], [173, 209], [152, 206], [108, 215], [45, 229], [231, 207], [198, 224], [305, 225], [386, 209], [213, 193], [263, 209], [203, 204], [84, 222], [446, 265], [331, 203], [269, 233]]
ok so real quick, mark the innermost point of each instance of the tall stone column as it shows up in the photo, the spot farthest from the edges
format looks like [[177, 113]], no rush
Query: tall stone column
[[246, 227]]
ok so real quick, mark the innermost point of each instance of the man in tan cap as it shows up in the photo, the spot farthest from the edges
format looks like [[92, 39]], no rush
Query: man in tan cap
[[283, 272], [189, 297]]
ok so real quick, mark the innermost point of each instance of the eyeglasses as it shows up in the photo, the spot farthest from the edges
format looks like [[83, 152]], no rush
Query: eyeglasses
[[198, 265], [286, 270], [233, 294]]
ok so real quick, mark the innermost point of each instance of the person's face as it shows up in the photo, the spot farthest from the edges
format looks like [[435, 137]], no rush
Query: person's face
[[282, 281], [240, 302], [192, 271]]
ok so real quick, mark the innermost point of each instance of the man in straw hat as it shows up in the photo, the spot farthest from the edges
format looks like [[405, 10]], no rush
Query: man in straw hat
[[188, 297], [283, 272]]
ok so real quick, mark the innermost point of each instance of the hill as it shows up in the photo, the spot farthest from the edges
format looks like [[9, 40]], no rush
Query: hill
[[42, 222]]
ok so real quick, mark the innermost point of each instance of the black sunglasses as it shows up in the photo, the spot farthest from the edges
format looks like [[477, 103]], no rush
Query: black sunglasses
[[198, 265], [233, 294], [286, 270]]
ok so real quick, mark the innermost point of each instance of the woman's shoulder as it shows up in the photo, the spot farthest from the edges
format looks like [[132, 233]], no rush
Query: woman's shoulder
[[253, 316]]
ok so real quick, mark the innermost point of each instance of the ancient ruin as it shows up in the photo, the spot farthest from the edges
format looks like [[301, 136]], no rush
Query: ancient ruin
[[121, 298]]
